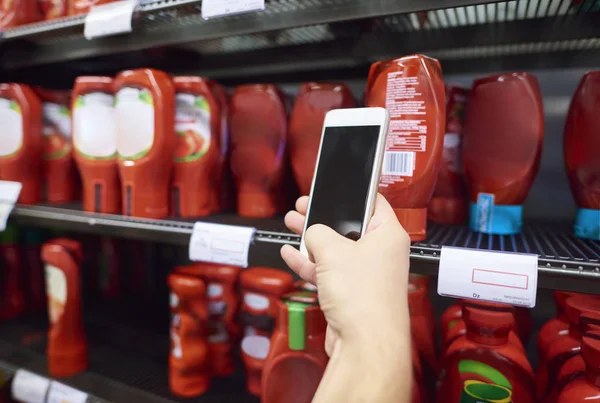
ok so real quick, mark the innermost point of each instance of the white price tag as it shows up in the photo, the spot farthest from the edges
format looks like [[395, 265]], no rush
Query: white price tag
[[109, 19], [505, 277], [60, 393], [220, 8], [217, 243], [28, 387], [9, 194]]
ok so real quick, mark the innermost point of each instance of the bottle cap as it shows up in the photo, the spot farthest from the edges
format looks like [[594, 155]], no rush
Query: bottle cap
[[265, 279], [210, 271], [489, 318], [447, 211], [256, 204], [580, 304], [187, 286], [561, 297], [414, 222]]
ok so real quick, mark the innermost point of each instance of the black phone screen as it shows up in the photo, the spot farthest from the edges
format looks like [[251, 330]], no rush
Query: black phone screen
[[341, 187]]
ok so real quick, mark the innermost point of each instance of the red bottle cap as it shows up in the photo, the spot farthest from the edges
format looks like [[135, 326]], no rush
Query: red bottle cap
[[578, 305], [257, 204], [216, 272], [186, 286], [590, 348], [414, 222], [273, 281], [491, 321]]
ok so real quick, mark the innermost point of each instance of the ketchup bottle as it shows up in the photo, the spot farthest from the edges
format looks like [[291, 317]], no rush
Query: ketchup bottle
[[565, 347], [258, 140], [297, 359], [18, 12], [13, 297], [34, 269], [586, 389], [261, 289], [483, 365], [555, 327], [145, 111], [306, 124], [502, 145], [21, 140], [411, 88], [448, 204], [197, 155], [189, 370], [223, 301], [426, 308], [581, 145], [52, 9], [95, 141], [418, 390], [60, 176], [67, 347], [423, 334]]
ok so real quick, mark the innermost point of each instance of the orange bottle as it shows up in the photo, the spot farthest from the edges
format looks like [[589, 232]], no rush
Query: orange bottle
[[145, 111], [197, 155], [60, 176], [21, 140], [448, 204], [306, 124], [189, 372], [18, 12], [411, 88], [258, 139], [261, 289], [297, 358], [67, 347], [586, 389], [95, 143], [423, 334], [223, 302]]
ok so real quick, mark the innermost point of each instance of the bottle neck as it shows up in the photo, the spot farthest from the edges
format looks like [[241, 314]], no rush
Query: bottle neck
[[593, 376], [484, 336]]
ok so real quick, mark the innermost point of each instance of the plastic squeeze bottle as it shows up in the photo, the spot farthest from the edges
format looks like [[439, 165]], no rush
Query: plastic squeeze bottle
[[18, 12], [484, 366], [67, 347], [586, 389], [12, 296], [197, 155], [313, 101], [95, 141], [261, 288], [189, 369], [145, 111], [411, 88], [21, 140], [297, 358], [555, 327], [258, 139], [502, 145], [423, 334], [52, 9], [448, 204], [223, 301], [581, 145], [60, 176], [565, 347]]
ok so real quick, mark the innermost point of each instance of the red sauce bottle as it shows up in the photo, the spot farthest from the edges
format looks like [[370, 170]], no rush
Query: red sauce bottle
[[258, 139], [448, 204], [35, 270], [502, 145], [21, 140], [52, 9], [581, 145], [298, 347], [18, 12], [189, 369], [484, 365], [554, 328], [425, 303], [95, 143], [418, 390], [60, 176], [197, 155], [586, 389], [450, 317], [313, 101], [565, 347], [145, 111], [67, 347], [423, 334], [223, 303], [261, 288], [411, 88], [13, 296]]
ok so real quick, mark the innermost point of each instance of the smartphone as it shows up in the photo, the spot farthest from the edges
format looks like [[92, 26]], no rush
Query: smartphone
[[344, 187]]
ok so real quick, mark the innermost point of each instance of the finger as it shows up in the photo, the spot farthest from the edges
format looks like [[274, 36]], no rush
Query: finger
[[302, 205], [299, 263], [295, 222], [382, 214], [320, 239]]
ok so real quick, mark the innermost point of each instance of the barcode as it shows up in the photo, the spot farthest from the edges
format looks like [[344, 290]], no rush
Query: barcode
[[399, 163]]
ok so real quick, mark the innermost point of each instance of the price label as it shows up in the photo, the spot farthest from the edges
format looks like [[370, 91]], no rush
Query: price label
[[60, 393], [221, 8], [504, 277], [28, 387], [109, 19], [9, 194], [217, 243]]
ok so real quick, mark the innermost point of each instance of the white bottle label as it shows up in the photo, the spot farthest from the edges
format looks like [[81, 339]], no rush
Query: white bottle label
[[56, 289], [192, 126], [135, 122], [94, 126], [11, 135]]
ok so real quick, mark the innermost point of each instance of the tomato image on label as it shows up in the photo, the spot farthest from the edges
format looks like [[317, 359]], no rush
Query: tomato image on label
[[11, 135], [57, 130], [483, 384], [94, 126], [135, 122], [192, 124]]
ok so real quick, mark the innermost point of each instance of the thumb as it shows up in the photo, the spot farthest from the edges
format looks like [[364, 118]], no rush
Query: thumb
[[320, 240]]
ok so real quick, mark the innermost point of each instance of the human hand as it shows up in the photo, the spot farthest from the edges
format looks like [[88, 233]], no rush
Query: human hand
[[362, 284]]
